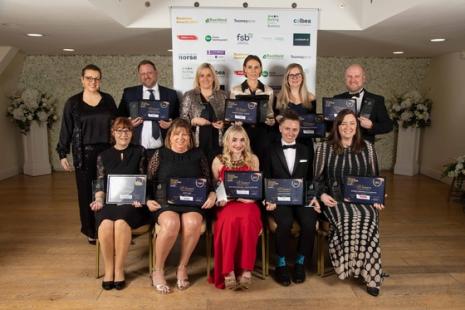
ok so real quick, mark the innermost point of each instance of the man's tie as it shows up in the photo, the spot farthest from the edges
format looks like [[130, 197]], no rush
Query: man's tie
[[155, 126], [290, 146]]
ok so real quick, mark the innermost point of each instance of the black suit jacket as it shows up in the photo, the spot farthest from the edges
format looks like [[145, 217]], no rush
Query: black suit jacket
[[382, 123], [135, 94], [275, 165]]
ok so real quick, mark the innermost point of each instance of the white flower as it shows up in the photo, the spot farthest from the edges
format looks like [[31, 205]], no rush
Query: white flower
[[396, 107], [31, 97], [451, 174], [459, 166], [421, 107], [405, 116], [30, 117], [55, 117], [405, 104], [19, 114], [42, 116], [413, 95]]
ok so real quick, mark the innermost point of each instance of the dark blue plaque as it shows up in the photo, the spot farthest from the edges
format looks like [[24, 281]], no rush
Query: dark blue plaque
[[262, 103], [150, 110], [367, 107], [312, 125], [240, 110], [126, 188], [243, 184], [332, 106], [365, 190], [187, 191], [284, 191]]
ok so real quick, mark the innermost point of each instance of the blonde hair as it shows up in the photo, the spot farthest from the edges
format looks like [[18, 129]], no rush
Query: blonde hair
[[284, 95], [247, 154], [206, 65]]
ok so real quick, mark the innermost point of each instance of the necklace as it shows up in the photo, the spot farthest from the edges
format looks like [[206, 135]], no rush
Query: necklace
[[237, 163]]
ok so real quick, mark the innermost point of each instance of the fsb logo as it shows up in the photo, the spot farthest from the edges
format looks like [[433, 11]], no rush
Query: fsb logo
[[244, 38]]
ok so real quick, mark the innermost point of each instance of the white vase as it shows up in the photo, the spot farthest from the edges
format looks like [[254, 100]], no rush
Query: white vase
[[35, 147], [408, 151]]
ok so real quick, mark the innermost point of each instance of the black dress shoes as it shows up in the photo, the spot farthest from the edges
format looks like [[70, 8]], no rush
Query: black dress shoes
[[282, 276], [298, 276], [92, 241], [373, 291], [119, 285], [108, 285]]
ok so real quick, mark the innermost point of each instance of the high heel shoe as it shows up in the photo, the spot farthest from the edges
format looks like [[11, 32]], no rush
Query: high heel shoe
[[183, 283], [230, 282], [108, 285], [161, 288], [244, 282], [119, 285], [373, 291]]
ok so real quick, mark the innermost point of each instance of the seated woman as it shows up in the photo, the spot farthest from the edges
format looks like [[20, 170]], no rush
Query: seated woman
[[178, 159], [238, 222], [115, 222], [203, 107], [354, 236]]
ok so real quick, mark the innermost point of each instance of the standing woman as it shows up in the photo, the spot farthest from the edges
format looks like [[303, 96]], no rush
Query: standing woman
[[295, 96], [354, 235], [260, 134], [86, 126], [115, 222], [238, 222], [203, 107]]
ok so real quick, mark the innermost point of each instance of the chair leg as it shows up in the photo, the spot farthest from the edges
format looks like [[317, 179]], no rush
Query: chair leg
[[267, 256], [97, 246], [263, 255], [209, 252], [150, 237]]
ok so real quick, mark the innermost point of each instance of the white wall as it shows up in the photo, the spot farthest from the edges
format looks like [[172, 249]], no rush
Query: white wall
[[11, 154], [445, 139]]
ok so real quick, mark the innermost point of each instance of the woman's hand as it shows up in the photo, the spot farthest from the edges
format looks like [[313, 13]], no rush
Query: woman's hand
[[270, 206], [65, 164], [315, 204], [200, 121], [218, 124], [136, 121], [269, 121], [328, 200], [237, 123], [210, 202], [96, 205], [378, 206], [165, 124], [153, 205], [137, 204]]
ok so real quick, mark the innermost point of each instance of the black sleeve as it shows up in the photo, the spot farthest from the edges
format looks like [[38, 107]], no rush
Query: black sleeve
[[100, 183], [174, 113], [66, 132], [206, 172], [267, 167], [382, 123], [313, 106], [123, 105], [319, 169]]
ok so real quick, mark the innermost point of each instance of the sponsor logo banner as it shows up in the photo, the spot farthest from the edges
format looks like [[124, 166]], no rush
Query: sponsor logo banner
[[273, 56], [244, 38], [187, 37], [272, 21], [301, 21], [187, 57], [185, 20], [240, 55], [216, 20], [215, 38], [301, 39], [244, 21]]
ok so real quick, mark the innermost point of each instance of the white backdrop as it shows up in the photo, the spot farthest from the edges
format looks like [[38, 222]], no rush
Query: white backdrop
[[225, 36]]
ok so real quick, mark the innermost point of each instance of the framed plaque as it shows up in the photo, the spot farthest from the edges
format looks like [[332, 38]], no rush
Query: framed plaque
[[126, 188], [244, 184], [150, 110], [367, 107], [240, 110], [332, 106], [262, 105], [187, 191], [312, 125], [284, 191], [364, 190]]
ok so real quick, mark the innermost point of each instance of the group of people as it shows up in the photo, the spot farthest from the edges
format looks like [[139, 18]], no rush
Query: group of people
[[196, 142]]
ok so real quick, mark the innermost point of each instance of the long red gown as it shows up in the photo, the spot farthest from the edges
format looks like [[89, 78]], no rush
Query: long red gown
[[236, 231]]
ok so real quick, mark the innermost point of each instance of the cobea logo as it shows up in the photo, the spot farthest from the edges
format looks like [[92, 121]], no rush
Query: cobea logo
[[302, 21], [301, 39], [187, 37], [244, 37]]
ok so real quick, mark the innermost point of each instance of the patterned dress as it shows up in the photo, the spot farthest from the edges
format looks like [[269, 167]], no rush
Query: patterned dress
[[354, 237]]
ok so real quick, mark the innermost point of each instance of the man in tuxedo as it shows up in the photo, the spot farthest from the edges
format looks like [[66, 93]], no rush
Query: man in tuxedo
[[149, 134], [377, 120], [287, 159]]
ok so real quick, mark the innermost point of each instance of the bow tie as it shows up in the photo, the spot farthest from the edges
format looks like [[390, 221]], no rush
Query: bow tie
[[356, 94], [290, 146]]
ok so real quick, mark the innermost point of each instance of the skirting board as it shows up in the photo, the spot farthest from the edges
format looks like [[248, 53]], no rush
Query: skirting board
[[8, 172]]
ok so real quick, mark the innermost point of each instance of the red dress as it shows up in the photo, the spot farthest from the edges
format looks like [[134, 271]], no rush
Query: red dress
[[236, 231]]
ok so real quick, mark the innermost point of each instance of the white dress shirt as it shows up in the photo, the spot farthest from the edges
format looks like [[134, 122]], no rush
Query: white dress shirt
[[358, 101], [147, 140], [289, 154]]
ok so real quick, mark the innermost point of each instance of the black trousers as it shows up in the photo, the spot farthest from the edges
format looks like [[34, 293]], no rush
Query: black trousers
[[84, 181], [306, 217]]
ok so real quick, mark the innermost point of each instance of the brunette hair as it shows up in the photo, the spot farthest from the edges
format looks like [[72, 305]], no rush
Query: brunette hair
[[177, 124], [334, 138], [91, 67], [121, 122], [288, 115], [146, 62]]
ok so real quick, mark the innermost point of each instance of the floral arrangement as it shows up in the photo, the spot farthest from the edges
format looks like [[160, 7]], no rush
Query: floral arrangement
[[32, 105], [411, 110], [455, 169]]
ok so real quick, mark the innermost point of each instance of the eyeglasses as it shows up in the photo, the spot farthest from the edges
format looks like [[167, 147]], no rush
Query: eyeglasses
[[294, 76], [123, 131], [91, 79]]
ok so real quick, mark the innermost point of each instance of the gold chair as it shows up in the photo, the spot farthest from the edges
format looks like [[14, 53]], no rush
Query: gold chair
[[262, 236], [145, 229], [322, 232]]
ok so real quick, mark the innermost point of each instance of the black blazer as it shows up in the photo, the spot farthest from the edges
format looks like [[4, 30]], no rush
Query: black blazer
[[275, 165], [382, 123], [135, 94]]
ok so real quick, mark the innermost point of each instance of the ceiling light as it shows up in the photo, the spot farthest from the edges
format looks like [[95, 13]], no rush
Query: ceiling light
[[35, 35], [438, 40], [398, 52], [68, 50], [170, 50]]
